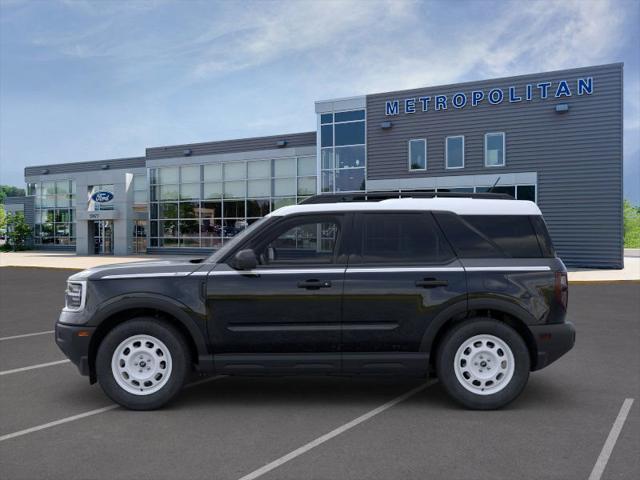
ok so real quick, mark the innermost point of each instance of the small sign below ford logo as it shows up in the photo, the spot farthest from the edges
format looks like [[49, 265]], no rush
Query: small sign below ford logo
[[102, 197]]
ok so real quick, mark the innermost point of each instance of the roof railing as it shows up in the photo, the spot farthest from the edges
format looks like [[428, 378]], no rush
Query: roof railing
[[387, 195]]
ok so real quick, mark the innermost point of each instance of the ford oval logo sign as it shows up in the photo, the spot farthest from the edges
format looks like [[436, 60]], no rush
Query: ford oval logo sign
[[102, 197]]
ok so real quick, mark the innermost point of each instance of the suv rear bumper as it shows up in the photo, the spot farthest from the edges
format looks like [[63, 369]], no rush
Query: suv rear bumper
[[552, 341], [74, 346]]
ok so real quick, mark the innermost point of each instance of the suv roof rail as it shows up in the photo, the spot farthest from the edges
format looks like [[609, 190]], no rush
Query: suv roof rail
[[386, 195]]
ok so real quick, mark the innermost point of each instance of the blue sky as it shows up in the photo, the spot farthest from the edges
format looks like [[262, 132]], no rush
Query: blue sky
[[88, 80]]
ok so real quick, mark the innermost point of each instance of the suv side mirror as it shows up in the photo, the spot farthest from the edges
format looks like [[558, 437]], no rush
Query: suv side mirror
[[245, 260]]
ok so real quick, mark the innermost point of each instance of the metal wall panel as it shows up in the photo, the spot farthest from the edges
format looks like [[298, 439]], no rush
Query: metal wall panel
[[231, 146], [577, 155], [112, 164]]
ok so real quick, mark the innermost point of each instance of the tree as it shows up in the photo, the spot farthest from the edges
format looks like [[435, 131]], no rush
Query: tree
[[631, 225], [18, 231], [3, 218], [10, 191]]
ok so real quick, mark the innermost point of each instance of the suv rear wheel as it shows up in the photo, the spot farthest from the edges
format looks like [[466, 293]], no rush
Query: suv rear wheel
[[142, 363], [483, 363]]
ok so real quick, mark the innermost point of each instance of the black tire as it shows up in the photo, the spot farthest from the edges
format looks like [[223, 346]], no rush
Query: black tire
[[464, 331], [180, 363]]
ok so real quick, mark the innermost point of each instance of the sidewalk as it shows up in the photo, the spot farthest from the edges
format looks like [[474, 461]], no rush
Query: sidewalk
[[49, 259]]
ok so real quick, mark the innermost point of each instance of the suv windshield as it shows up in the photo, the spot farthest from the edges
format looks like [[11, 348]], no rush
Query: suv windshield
[[227, 247]]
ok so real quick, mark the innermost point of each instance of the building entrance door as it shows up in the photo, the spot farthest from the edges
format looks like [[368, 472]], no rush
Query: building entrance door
[[103, 237]]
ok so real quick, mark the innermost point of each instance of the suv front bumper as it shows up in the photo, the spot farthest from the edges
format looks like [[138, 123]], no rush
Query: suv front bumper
[[74, 342], [552, 341]]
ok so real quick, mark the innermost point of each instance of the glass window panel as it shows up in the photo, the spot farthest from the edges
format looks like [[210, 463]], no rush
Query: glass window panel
[[284, 167], [234, 208], [411, 238], [168, 242], [417, 154], [213, 190], [494, 149], [153, 209], [140, 196], [306, 166], [62, 201], [189, 191], [168, 228], [49, 201], [350, 180], [502, 189], [257, 207], [326, 134], [167, 210], [153, 190], [350, 157], [214, 243], [189, 228], [326, 118], [259, 188], [62, 187], [168, 175], [327, 181], [211, 210], [349, 116], [457, 190], [190, 242], [190, 174], [49, 188], [213, 172], [233, 226], [349, 133], [284, 186], [327, 158], [259, 169], [306, 185], [189, 209], [526, 192], [168, 192], [235, 170], [153, 175], [139, 183], [282, 202], [154, 229], [211, 228], [235, 189], [455, 152]]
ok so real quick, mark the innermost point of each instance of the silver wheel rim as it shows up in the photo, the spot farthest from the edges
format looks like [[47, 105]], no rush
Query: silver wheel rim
[[141, 364], [484, 364]]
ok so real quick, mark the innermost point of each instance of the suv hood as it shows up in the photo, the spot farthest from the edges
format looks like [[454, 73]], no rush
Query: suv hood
[[143, 269]]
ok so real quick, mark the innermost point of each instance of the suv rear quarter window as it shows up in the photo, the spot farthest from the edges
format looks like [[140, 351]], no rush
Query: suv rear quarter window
[[490, 236]]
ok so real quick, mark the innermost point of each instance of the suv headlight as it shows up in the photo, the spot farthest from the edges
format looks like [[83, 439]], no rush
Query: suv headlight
[[75, 295]]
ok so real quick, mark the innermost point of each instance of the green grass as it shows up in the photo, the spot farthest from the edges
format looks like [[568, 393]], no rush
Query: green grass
[[631, 225]]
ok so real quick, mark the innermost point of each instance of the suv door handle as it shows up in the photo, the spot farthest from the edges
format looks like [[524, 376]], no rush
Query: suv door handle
[[314, 284], [431, 283]]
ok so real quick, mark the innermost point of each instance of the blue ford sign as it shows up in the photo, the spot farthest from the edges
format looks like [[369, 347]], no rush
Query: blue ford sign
[[493, 96], [102, 197]]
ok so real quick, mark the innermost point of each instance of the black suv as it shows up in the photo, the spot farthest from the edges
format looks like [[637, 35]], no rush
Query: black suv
[[467, 289]]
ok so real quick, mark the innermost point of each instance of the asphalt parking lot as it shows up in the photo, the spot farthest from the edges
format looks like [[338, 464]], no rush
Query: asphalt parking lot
[[319, 428]]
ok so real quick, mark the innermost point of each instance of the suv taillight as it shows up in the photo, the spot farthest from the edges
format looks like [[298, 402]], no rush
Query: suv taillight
[[562, 289]]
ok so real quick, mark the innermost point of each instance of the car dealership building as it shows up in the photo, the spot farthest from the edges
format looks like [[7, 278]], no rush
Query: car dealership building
[[554, 138]]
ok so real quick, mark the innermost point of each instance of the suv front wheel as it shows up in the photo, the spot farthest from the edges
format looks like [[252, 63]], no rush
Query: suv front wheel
[[142, 363], [483, 363]]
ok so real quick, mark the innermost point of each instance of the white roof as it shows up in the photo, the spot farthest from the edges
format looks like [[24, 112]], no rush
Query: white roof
[[461, 206]]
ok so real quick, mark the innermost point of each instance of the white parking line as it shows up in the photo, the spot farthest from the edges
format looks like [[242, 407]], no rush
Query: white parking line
[[31, 367], [601, 463], [90, 413], [334, 433], [14, 337]]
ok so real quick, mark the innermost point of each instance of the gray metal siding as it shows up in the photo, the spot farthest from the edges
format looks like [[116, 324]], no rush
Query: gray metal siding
[[113, 164], [577, 155], [232, 146]]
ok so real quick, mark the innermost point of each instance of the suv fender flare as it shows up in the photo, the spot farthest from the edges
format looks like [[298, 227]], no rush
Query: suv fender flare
[[164, 304], [461, 308]]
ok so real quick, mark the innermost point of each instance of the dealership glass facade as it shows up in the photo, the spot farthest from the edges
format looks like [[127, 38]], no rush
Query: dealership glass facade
[[54, 222], [343, 151], [201, 205]]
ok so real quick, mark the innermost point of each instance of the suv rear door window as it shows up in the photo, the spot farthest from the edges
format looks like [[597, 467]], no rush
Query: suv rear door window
[[410, 238]]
